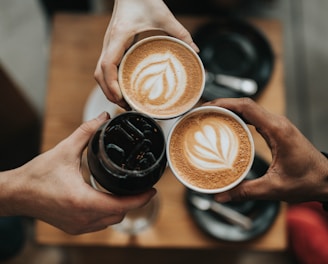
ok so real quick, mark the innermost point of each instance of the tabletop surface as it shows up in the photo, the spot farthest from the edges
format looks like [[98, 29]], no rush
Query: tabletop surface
[[76, 45]]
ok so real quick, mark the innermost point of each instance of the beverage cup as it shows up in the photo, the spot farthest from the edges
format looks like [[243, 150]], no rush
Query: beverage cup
[[126, 155], [210, 149], [162, 77]]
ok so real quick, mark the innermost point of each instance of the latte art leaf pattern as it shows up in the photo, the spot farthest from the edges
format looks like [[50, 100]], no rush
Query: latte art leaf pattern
[[213, 146], [160, 79]]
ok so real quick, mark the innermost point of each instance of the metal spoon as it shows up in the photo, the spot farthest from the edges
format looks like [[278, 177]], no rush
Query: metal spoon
[[229, 214], [242, 85]]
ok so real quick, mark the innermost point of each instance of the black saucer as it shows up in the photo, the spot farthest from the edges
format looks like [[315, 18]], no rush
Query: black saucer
[[234, 47], [262, 213]]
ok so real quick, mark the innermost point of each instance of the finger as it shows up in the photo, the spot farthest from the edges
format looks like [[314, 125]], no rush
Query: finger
[[257, 189], [104, 223], [128, 203], [113, 97], [108, 75], [112, 204], [97, 225], [78, 140], [111, 80], [123, 204], [108, 221], [176, 29], [98, 74], [250, 112]]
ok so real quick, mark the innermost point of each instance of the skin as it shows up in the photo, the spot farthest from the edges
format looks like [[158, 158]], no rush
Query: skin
[[298, 171], [128, 20], [51, 188]]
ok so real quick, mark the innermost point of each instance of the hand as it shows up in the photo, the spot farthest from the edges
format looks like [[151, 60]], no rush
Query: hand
[[298, 172], [51, 188], [129, 18]]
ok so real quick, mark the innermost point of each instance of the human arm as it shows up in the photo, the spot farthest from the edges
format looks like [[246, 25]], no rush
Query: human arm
[[298, 171], [51, 188], [129, 18]]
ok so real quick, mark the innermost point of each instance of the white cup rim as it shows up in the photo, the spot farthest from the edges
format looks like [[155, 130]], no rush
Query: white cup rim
[[139, 109], [231, 185]]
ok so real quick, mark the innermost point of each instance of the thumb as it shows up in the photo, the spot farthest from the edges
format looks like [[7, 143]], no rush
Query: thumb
[[78, 140]]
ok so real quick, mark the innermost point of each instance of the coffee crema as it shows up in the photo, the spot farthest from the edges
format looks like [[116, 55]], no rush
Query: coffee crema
[[161, 77], [210, 150]]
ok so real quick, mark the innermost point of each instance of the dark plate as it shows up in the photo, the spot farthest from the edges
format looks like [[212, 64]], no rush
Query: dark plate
[[263, 213], [234, 47]]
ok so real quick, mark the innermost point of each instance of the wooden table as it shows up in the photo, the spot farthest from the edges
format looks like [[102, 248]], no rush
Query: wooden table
[[76, 45]]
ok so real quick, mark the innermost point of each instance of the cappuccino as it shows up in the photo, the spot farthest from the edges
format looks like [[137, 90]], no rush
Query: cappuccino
[[210, 149], [162, 77]]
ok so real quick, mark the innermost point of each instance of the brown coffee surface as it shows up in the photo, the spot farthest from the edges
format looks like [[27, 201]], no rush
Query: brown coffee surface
[[162, 78], [210, 150]]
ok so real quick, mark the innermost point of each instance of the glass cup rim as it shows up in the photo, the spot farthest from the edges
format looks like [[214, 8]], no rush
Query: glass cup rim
[[222, 111], [108, 160], [159, 37]]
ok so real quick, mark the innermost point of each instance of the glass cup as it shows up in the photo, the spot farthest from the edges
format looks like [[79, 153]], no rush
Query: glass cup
[[127, 156]]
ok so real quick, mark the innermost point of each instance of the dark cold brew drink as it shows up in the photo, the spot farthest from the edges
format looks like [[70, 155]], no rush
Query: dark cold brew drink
[[127, 154]]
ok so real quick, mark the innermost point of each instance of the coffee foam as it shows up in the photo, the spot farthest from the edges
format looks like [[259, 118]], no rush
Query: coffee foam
[[210, 150], [212, 145], [161, 78]]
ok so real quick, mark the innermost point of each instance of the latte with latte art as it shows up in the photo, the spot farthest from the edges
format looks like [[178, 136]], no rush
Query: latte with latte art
[[209, 149], [211, 145], [162, 77]]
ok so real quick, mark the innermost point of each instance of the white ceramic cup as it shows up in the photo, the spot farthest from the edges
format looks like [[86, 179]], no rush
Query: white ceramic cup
[[214, 152], [162, 77]]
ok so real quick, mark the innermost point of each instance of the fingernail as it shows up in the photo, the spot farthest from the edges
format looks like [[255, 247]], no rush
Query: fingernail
[[222, 197], [154, 192], [103, 116], [195, 47]]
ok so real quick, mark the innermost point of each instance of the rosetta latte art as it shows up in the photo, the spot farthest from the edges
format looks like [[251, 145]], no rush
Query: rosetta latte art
[[212, 146], [160, 79]]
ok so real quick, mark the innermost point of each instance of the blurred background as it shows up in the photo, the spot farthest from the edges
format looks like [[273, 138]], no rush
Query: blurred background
[[25, 38]]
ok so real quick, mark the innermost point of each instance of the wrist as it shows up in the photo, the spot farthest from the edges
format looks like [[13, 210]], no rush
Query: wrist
[[13, 187], [325, 203], [8, 188]]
